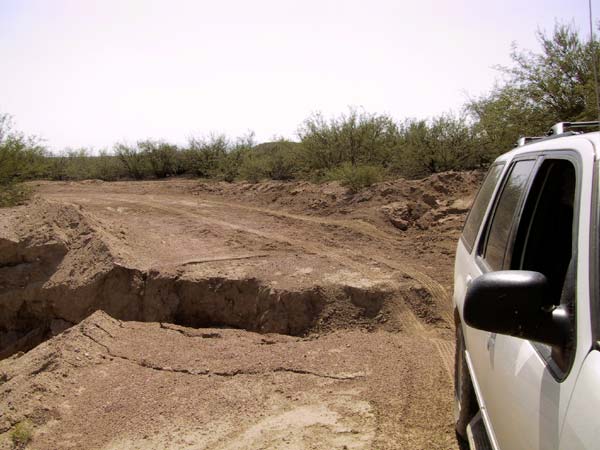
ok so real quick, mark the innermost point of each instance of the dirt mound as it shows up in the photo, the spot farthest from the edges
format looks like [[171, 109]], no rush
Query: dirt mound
[[438, 195], [125, 385], [275, 315], [59, 267]]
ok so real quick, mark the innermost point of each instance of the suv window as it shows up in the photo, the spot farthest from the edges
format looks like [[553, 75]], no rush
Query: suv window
[[545, 238], [545, 241], [499, 230], [478, 209]]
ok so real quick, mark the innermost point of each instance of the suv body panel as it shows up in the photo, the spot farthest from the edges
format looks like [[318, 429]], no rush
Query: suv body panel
[[523, 402], [577, 434]]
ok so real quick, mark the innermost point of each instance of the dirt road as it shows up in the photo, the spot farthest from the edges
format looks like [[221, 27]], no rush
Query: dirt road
[[333, 327]]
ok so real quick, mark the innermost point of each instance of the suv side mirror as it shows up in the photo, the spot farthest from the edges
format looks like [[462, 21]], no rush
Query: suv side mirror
[[512, 302]]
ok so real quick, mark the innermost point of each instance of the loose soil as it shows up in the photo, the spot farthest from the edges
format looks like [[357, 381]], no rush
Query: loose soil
[[206, 315]]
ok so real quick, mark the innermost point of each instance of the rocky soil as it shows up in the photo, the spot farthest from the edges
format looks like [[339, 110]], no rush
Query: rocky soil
[[206, 315]]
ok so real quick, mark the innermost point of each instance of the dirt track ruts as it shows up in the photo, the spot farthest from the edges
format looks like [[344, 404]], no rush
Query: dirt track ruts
[[370, 382]]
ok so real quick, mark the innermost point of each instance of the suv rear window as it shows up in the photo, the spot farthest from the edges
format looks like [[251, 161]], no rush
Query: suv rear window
[[480, 204]]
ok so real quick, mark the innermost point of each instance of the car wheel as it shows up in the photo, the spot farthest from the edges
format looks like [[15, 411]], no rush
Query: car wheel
[[464, 394]]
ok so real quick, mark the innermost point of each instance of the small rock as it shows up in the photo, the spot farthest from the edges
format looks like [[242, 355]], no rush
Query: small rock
[[429, 199], [401, 224]]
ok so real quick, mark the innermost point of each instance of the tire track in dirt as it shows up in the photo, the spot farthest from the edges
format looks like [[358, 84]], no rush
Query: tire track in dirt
[[365, 228], [435, 288], [412, 323], [432, 286], [310, 248], [446, 351], [410, 319], [445, 348]]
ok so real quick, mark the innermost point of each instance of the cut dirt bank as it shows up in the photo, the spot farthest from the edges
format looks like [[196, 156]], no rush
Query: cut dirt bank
[[342, 322]]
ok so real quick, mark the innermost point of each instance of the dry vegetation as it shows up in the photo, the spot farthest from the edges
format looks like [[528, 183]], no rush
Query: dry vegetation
[[357, 148]]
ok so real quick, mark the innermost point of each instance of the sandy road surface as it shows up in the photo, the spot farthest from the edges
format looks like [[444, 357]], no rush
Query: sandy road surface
[[369, 368]]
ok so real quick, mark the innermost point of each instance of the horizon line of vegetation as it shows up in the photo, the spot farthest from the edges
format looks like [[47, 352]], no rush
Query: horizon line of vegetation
[[357, 148]]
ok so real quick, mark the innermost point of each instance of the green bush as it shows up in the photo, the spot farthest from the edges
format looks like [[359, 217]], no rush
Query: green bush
[[21, 159], [13, 194], [134, 160], [282, 159], [357, 138], [277, 160], [356, 178], [107, 167], [446, 142], [253, 169], [81, 165], [229, 166], [161, 157], [22, 433], [204, 157]]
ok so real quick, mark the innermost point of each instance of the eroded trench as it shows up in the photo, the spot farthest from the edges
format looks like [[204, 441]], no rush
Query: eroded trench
[[35, 307]]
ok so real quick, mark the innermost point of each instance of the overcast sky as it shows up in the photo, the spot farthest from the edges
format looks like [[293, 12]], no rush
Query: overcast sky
[[91, 73]]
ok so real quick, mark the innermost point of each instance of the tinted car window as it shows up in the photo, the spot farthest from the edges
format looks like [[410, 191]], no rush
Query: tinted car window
[[501, 225], [545, 244], [475, 217]]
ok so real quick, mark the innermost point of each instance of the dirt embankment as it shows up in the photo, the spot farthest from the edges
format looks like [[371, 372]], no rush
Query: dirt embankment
[[348, 292], [62, 271]]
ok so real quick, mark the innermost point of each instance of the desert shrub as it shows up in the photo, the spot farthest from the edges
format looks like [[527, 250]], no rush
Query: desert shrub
[[160, 156], [70, 165], [22, 433], [13, 194], [21, 158], [252, 170], [356, 138], [82, 165], [278, 160], [555, 84], [79, 165], [356, 178], [56, 167], [107, 167], [133, 160], [229, 166], [446, 142], [204, 157], [283, 159]]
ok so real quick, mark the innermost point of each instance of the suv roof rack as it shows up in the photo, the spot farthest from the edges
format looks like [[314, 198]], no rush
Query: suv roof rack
[[562, 127], [528, 140]]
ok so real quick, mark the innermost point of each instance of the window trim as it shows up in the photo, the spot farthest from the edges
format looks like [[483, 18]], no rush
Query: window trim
[[594, 263]]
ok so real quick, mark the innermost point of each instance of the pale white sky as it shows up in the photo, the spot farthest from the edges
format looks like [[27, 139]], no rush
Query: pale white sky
[[91, 73]]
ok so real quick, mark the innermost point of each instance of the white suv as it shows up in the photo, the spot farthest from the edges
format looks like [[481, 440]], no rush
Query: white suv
[[527, 299]]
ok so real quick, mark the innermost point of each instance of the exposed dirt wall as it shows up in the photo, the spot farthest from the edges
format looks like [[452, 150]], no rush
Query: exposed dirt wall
[[47, 286]]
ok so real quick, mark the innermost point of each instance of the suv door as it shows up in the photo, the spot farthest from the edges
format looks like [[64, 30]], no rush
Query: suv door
[[505, 210], [526, 386]]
